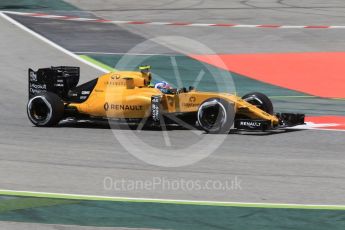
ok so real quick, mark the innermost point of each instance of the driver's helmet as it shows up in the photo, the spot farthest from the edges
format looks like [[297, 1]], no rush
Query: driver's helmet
[[163, 85]]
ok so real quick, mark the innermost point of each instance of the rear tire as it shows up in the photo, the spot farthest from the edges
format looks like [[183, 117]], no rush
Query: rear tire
[[216, 115], [45, 109], [260, 100]]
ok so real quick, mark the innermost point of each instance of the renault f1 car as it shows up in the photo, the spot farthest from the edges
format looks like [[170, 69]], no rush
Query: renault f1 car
[[54, 95]]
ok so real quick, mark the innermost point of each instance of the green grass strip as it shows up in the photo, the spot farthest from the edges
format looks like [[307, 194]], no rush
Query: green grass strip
[[36, 5], [7, 205], [167, 201], [95, 62]]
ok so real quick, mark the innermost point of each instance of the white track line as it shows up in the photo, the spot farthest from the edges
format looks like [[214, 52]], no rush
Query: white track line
[[188, 24], [50, 42], [172, 201]]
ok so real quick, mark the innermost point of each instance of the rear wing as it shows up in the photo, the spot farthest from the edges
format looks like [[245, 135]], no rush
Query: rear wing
[[54, 79]]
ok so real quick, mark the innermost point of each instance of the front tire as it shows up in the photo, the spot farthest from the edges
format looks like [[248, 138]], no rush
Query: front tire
[[216, 115], [45, 109]]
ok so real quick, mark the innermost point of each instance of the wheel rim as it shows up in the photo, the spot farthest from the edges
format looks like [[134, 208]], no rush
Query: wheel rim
[[39, 110], [212, 115]]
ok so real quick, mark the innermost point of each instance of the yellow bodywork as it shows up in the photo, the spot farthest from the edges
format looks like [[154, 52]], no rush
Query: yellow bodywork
[[127, 94]]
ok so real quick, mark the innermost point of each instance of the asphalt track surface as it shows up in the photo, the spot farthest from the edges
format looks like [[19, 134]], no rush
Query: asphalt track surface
[[33, 226], [227, 40], [294, 167]]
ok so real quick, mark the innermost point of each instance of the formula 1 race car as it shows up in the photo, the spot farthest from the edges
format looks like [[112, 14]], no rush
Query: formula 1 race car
[[128, 95]]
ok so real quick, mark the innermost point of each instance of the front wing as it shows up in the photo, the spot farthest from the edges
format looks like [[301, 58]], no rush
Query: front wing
[[285, 120]]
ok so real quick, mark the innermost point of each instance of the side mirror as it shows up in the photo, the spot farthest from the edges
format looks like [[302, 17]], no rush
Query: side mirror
[[129, 82]]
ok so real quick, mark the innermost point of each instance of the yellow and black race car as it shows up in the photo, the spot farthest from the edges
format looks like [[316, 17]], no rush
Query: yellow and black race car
[[54, 96]]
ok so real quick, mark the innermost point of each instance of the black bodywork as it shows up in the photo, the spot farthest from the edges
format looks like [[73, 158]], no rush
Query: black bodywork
[[285, 120], [62, 81]]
